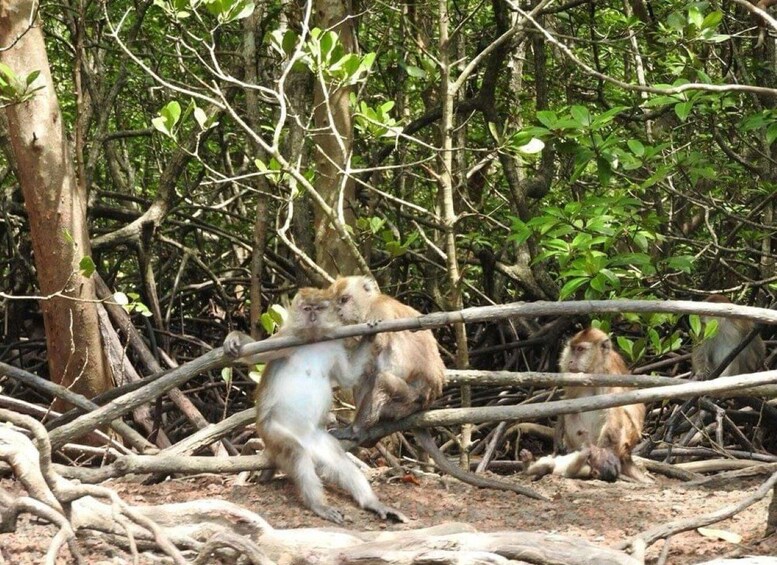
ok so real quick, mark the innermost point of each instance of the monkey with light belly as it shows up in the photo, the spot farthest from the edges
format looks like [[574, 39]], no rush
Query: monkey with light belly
[[589, 462], [293, 400], [617, 429], [710, 353]]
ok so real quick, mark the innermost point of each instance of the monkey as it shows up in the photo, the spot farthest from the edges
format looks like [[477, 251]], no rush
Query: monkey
[[406, 375], [710, 353], [407, 372], [293, 399], [618, 428], [589, 462]]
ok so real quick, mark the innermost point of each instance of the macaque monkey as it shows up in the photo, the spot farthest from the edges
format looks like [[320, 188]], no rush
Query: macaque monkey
[[407, 372], [405, 376], [618, 428], [293, 399], [710, 353], [589, 462]]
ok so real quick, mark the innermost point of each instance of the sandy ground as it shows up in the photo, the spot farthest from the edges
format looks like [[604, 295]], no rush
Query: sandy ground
[[602, 513]]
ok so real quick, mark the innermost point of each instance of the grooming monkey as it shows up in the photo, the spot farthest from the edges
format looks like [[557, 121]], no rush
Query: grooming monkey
[[710, 353], [293, 399], [406, 375], [618, 428], [589, 462]]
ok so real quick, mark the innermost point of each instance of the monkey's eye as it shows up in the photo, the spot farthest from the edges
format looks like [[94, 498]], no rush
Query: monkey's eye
[[344, 299]]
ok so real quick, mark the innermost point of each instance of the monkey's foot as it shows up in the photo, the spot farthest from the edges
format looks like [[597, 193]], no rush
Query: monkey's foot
[[265, 476], [328, 513], [347, 433], [386, 512], [525, 456]]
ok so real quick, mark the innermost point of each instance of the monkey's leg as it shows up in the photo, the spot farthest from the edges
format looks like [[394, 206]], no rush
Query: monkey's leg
[[389, 398], [335, 466], [558, 435], [293, 456], [361, 390]]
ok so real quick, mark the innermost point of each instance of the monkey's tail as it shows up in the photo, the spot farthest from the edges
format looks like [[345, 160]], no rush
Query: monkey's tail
[[427, 442]]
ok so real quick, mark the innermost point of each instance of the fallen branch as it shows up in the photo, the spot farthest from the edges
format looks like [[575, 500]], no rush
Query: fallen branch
[[649, 537], [215, 359], [477, 415]]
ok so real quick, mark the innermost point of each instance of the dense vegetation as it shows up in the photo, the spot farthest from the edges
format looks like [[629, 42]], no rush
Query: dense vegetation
[[487, 153]]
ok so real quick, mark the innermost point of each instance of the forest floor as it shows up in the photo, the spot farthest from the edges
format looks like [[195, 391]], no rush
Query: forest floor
[[605, 514]]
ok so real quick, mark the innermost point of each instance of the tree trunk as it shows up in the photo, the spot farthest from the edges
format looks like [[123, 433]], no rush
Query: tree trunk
[[56, 209], [334, 142]]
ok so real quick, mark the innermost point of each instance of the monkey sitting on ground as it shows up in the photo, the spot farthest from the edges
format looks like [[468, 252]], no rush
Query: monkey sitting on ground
[[618, 428], [405, 376], [407, 373], [589, 462], [710, 353], [293, 400]]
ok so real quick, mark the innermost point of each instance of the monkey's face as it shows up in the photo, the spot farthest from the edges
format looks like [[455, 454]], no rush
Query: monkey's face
[[580, 357], [353, 298], [312, 310], [586, 352]]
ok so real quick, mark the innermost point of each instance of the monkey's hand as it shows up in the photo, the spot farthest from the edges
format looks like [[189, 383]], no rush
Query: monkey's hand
[[328, 513], [387, 513], [234, 342], [526, 457]]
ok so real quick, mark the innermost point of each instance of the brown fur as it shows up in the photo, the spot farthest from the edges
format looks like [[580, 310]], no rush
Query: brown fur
[[292, 402], [710, 353], [618, 428], [407, 373]]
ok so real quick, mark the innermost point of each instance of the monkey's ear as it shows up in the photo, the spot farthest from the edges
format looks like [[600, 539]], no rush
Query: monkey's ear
[[606, 346], [370, 285]]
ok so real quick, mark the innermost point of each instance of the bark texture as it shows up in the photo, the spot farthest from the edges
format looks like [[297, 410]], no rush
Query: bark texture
[[56, 208], [334, 141]]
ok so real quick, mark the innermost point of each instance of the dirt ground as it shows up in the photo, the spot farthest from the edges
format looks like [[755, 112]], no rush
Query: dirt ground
[[602, 513]]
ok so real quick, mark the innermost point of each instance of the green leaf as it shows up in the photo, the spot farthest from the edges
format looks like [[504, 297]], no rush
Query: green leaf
[[683, 109], [710, 328], [695, 322], [31, 77], [415, 72], [278, 314], [581, 115], [267, 323], [547, 118], [120, 298], [571, 286], [86, 266], [226, 375], [636, 147], [711, 20], [695, 16], [171, 113]]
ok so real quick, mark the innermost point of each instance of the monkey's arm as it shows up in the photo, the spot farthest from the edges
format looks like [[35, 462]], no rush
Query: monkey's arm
[[427, 442], [235, 341]]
